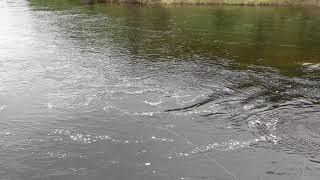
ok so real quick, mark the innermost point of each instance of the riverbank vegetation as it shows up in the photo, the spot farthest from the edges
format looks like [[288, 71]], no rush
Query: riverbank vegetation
[[215, 2]]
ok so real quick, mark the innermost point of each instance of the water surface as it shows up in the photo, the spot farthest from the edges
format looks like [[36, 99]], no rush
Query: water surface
[[150, 92]]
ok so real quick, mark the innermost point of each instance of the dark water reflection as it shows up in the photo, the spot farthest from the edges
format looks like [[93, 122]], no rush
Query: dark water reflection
[[131, 92]]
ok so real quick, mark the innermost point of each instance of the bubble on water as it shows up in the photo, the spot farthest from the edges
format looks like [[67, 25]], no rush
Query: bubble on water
[[56, 155], [115, 162], [105, 108], [6, 133], [159, 139], [248, 107], [49, 105], [2, 107], [170, 125], [62, 131], [253, 123], [82, 138]]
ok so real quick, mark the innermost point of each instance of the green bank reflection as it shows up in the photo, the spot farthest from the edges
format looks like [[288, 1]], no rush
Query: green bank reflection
[[283, 38]]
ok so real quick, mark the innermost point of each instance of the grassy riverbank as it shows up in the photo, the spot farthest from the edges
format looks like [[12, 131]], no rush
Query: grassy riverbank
[[217, 2]]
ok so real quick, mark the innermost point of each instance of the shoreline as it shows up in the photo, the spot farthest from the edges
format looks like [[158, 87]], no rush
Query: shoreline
[[290, 3]]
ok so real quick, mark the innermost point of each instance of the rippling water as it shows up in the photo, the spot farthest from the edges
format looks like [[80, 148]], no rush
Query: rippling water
[[131, 92]]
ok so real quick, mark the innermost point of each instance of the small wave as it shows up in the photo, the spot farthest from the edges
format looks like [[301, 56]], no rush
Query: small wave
[[226, 146], [76, 137], [68, 171], [198, 104], [311, 67], [146, 113], [66, 135], [292, 127], [57, 155], [153, 103], [230, 145], [136, 92], [288, 45]]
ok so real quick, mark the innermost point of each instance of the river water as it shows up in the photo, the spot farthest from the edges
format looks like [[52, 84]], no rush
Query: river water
[[125, 92]]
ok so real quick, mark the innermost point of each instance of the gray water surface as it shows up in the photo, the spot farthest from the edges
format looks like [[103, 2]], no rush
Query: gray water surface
[[124, 92]]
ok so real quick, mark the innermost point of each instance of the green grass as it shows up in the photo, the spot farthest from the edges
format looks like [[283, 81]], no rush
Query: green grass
[[222, 2]]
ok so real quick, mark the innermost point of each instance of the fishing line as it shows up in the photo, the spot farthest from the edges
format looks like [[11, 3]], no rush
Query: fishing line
[[197, 148]]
